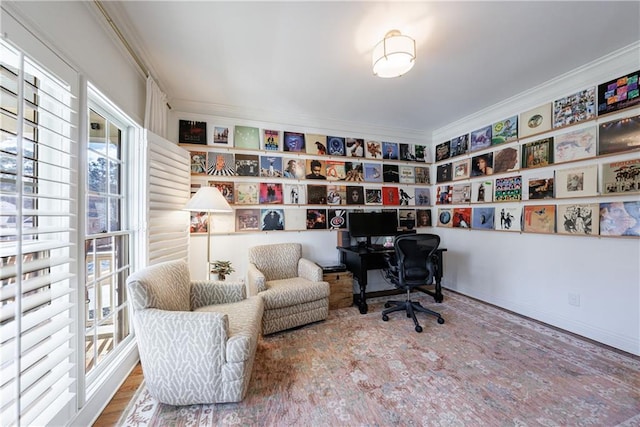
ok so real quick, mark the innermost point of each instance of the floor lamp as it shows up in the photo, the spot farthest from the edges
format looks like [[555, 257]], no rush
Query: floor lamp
[[209, 200]]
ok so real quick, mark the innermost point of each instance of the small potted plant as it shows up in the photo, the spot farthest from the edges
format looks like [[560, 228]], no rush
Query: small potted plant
[[221, 268]]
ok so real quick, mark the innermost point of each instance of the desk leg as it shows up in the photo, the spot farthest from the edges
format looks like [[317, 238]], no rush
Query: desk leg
[[362, 304]]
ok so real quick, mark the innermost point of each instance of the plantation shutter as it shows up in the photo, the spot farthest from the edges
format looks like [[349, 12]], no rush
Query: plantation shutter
[[38, 237], [168, 191]]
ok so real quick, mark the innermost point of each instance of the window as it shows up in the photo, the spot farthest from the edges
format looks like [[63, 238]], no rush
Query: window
[[38, 235], [107, 255]]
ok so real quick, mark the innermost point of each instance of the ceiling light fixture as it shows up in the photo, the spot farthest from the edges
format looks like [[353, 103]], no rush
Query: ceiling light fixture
[[394, 55]]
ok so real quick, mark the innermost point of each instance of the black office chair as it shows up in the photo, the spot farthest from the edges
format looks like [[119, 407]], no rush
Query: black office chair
[[412, 265]]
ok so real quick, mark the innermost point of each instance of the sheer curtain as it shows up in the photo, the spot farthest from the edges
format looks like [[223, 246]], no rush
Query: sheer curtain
[[156, 111]]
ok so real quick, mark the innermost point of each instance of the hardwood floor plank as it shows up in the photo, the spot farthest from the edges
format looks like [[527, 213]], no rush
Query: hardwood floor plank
[[117, 405]]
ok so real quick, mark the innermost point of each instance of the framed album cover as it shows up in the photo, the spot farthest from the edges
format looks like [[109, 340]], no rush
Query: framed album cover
[[407, 152], [406, 195], [271, 166], [480, 139], [537, 154], [407, 219], [390, 196], [221, 135], [373, 150], [247, 219], [481, 191], [621, 177], [335, 170], [504, 131], [422, 175], [355, 172], [271, 140], [445, 217], [373, 196], [294, 194], [294, 142], [270, 193], [620, 218], [335, 146], [578, 218], [422, 196], [316, 219], [293, 167], [482, 165], [577, 182], [354, 147], [315, 144], [337, 219], [444, 173], [574, 108], [247, 164], [246, 193], [461, 218], [390, 173], [539, 219], [508, 189], [459, 145], [575, 145], [336, 194], [246, 137], [619, 93], [192, 132], [461, 193], [198, 162], [535, 121], [271, 219], [424, 218], [443, 151], [295, 219], [221, 164], [443, 194], [541, 188], [618, 136], [506, 160], [482, 218], [407, 174], [390, 150], [508, 218], [421, 153], [461, 169], [373, 172]]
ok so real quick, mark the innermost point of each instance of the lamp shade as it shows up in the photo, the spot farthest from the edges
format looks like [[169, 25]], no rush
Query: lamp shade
[[208, 199], [394, 55]]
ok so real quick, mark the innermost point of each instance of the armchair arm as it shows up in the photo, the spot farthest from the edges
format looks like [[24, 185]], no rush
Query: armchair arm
[[309, 270], [167, 338], [207, 292], [256, 280]]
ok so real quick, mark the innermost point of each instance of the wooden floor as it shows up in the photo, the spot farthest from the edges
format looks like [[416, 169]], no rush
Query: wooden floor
[[121, 399]]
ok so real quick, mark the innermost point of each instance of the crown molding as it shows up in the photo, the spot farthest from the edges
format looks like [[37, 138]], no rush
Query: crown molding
[[617, 63]]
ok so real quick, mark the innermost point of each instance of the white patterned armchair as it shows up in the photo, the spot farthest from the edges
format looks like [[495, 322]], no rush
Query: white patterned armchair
[[197, 339], [290, 286]]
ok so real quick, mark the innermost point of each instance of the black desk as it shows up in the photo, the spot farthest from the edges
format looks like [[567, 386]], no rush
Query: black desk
[[359, 260]]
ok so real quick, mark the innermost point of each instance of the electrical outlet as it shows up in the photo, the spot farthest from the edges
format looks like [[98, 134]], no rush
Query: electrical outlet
[[574, 299]]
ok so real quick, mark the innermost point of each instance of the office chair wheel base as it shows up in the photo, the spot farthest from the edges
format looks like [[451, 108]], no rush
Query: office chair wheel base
[[387, 305], [385, 317], [418, 328], [439, 298], [440, 320]]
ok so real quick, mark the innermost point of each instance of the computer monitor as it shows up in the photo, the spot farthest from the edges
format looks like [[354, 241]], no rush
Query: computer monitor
[[372, 224]]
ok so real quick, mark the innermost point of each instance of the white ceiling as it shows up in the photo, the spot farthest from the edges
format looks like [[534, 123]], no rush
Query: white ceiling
[[313, 59]]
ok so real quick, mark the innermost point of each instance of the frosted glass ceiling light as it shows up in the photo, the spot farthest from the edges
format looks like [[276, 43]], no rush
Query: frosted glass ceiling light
[[394, 55]]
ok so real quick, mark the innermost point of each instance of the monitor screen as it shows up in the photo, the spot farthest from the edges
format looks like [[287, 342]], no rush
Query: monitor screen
[[369, 224]]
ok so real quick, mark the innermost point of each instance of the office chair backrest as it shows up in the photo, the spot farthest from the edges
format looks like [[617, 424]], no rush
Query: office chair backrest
[[414, 258]]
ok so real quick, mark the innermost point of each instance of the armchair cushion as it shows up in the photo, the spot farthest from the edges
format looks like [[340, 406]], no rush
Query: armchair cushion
[[152, 289], [295, 291], [278, 261]]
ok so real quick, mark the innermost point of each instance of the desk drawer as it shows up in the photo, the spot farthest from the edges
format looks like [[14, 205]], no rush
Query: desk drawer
[[341, 285]]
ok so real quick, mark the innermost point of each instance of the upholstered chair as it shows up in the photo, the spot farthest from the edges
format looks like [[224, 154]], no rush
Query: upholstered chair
[[290, 286], [197, 339]]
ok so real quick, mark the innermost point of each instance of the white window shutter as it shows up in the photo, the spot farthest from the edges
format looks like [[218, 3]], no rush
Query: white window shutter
[[168, 190]]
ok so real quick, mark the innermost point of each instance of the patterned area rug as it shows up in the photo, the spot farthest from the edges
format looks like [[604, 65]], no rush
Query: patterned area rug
[[483, 367]]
